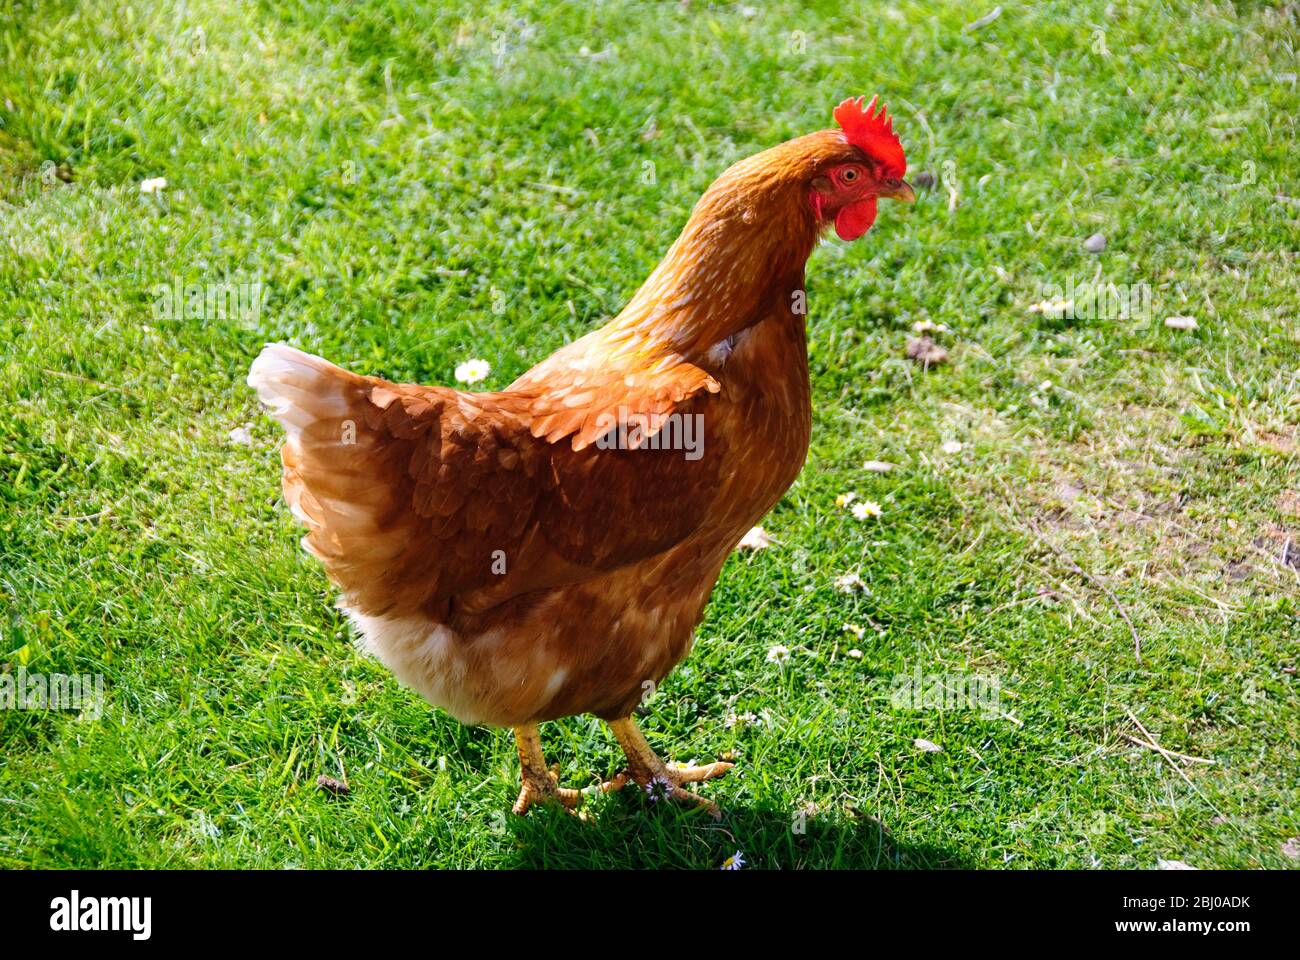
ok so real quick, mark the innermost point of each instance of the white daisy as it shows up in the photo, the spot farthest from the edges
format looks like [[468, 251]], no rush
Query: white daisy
[[745, 719], [865, 509], [849, 582], [472, 371], [659, 788], [153, 185], [778, 653], [733, 862]]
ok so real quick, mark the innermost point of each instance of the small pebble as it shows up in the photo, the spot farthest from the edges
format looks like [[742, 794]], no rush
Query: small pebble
[[1095, 244], [332, 785], [926, 352]]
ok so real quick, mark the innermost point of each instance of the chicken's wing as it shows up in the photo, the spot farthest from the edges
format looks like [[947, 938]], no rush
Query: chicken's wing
[[436, 500]]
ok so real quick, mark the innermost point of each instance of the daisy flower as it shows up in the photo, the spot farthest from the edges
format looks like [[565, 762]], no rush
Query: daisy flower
[[733, 862], [659, 788], [865, 509], [472, 371], [778, 654], [844, 499], [849, 582], [740, 719], [856, 630], [153, 185]]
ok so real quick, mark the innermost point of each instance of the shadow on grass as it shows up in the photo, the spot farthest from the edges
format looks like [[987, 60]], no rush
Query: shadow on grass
[[629, 832]]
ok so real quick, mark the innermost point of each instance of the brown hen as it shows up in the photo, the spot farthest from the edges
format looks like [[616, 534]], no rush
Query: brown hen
[[548, 550]]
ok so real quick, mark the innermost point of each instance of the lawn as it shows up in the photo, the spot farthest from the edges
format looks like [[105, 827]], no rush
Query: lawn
[[1092, 522]]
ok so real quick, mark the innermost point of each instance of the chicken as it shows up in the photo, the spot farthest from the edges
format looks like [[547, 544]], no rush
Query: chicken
[[548, 550]]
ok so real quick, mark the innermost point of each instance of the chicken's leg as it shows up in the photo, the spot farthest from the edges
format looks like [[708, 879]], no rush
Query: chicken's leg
[[540, 785], [659, 779]]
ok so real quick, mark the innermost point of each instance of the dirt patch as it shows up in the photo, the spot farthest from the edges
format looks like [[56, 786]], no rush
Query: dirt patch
[[1281, 442], [1281, 543], [1132, 505]]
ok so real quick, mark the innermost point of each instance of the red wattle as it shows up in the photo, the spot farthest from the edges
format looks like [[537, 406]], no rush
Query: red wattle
[[855, 219]]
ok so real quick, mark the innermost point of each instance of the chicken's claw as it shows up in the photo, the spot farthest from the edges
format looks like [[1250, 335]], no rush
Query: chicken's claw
[[660, 780], [547, 791], [540, 785]]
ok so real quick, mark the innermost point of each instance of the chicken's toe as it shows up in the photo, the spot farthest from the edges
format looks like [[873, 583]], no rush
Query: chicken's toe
[[690, 773]]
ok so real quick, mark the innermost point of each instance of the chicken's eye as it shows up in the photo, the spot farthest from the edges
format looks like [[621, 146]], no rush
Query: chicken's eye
[[848, 175]]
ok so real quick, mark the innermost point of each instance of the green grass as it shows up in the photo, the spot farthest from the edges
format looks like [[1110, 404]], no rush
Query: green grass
[[414, 187]]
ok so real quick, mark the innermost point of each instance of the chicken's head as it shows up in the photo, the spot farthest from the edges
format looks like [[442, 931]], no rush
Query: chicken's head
[[870, 164]]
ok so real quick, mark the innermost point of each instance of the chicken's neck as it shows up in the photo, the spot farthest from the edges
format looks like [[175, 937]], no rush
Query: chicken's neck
[[740, 259]]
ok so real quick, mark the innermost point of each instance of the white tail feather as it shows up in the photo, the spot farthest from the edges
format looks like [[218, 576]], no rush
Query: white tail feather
[[297, 388]]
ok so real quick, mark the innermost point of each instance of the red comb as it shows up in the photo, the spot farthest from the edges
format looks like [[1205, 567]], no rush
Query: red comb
[[874, 135]]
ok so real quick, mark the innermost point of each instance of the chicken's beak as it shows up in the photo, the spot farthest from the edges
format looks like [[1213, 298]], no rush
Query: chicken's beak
[[897, 190]]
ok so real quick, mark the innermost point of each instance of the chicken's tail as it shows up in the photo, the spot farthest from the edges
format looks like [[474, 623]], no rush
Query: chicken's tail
[[333, 464]]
